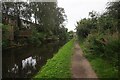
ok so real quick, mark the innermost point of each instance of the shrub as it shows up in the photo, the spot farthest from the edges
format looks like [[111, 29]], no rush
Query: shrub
[[103, 45], [112, 50], [93, 43], [36, 38], [5, 33]]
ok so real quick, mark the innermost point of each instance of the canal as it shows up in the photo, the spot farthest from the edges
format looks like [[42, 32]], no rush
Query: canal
[[25, 62]]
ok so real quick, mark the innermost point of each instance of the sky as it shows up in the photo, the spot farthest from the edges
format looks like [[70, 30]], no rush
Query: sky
[[78, 9]]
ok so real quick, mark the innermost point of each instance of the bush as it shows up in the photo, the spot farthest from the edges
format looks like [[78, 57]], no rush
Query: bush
[[112, 50], [36, 38], [103, 45], [93, 43], [5, 43], [5, 33]]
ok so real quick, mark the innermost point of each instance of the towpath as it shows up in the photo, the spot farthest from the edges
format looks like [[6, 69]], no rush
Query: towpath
[[81, 67]]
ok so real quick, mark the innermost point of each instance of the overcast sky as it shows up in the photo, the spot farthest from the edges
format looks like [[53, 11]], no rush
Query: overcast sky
[[78, 9]]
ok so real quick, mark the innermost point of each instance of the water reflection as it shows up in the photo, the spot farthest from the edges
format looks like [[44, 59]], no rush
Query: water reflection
[[29, 62], [14, 70], [29, 65], [25, 62]]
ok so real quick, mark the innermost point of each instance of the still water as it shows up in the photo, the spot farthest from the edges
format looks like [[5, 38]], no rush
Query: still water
[[25, 62]]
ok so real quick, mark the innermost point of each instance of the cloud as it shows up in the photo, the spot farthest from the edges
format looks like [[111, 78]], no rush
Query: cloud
[[77, 9]]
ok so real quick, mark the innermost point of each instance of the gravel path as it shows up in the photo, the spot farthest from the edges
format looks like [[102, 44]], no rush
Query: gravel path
[[81, 68]]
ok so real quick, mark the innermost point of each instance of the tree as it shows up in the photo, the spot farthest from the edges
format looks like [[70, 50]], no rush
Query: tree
[[49, 18]]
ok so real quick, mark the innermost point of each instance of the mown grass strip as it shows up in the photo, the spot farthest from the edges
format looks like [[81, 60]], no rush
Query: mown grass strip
[[59, 65]]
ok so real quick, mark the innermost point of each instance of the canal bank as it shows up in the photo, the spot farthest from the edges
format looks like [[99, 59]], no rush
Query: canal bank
[[59, 65], [24, 62]]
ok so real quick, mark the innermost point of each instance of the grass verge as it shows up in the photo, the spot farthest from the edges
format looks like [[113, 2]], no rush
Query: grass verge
[[102, 67], [59, 65]]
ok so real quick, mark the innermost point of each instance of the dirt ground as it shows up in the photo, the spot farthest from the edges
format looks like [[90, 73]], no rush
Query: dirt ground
[[81, 68]]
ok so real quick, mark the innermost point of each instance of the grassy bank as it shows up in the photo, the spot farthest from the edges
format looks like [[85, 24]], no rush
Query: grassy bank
[[102, 67], [59, 65]]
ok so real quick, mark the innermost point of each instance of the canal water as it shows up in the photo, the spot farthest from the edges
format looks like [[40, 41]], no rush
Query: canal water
[[25, 62]]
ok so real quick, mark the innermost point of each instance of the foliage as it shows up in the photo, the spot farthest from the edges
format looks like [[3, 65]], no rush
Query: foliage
[[49, 19], [63, 33], [101, 39], [102, 67], [94, 43], [5, 41], [59, 65], [85, 26], [104, 46], [71, 34], [36, 38], [112, 50]]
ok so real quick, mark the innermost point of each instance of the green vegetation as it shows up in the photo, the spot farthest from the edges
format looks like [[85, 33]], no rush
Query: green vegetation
[[59, 65], [99, 36], [71, 34], [5, 41], [48, 24], [36, 38], [101, 66]]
